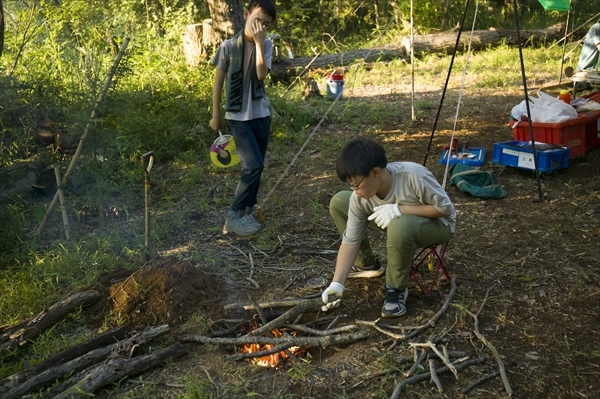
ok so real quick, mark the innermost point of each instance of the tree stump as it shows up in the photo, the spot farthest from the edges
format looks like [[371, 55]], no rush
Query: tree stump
[[192, 45], [199, 42]]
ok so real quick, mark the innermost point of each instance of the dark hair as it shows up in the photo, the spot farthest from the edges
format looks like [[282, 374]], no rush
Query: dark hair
[[268, 6], [358, 158], [226, 159]]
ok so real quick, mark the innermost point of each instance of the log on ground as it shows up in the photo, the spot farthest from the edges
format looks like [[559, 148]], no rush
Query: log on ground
[[116, 369], [22, 333]]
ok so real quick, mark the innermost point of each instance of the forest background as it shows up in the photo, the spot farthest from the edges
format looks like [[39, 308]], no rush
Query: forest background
[[55, 56]]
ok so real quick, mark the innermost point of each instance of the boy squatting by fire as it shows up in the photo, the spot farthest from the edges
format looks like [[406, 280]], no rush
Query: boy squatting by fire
[[242, 63], [402, 198]]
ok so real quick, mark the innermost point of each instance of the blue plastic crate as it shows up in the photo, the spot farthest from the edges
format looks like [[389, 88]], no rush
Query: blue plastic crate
[[475, 157], [519, 154]]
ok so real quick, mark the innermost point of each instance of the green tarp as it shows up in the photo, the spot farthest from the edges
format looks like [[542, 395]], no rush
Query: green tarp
[[556, 5]]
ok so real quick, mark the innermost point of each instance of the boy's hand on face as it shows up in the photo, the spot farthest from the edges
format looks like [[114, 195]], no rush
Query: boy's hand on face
[[258, 31]]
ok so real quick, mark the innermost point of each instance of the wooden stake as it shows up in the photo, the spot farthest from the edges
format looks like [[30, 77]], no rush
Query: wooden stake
[[62, 201], [99, 101]]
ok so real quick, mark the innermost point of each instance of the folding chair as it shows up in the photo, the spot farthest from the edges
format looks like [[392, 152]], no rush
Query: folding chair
[[434, 256]]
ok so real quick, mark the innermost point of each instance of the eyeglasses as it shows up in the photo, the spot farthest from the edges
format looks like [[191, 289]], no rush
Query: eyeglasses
[[357, 185]]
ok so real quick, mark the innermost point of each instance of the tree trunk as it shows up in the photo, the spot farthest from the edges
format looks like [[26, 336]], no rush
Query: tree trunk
[[437, 44], [290, 67], [1, 28], [199, 41], [227, 17], [482, 39]]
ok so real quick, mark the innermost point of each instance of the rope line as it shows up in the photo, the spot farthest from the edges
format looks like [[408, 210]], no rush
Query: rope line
[[460, 93], [284, 173]]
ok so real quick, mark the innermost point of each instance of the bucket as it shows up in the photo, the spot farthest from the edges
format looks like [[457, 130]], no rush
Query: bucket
[[335, 85], [223, 152]]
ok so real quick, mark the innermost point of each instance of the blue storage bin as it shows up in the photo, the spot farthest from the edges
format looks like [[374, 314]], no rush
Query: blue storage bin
[[519, 154], [475, 157]]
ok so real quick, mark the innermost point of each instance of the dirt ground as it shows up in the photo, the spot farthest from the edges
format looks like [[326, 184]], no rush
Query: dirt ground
[[537, 258]]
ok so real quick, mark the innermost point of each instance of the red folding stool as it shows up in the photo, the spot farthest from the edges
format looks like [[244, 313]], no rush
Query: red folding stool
[[435, 259]]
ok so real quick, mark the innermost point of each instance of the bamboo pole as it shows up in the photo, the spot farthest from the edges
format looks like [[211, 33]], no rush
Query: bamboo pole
[[62, 201], [99, 101]]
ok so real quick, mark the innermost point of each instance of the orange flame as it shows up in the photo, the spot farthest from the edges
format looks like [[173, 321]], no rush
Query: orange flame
[[274, 360]]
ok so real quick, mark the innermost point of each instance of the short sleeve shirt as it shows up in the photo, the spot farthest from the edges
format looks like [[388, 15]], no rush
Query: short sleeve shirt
[[251, 108], [589, 53], [412, 184]]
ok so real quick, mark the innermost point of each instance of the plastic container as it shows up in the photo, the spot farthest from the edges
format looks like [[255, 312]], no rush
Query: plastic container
[[592, 129], [474, 156], [565, 96], [335, 85], [569, 134], [592, 123], [519, 154]]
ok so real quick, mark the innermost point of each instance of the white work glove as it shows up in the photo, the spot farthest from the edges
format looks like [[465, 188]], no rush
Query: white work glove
[[334, 290], [384, 214]]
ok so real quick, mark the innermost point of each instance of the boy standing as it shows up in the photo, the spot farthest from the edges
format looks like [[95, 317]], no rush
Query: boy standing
[[243, 63], [402, 198]]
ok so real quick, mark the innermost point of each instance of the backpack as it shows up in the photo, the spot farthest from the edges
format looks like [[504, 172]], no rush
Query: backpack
[[479, 183]]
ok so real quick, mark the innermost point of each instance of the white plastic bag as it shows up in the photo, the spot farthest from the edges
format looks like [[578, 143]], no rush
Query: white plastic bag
[[544, 109], [547, 109]]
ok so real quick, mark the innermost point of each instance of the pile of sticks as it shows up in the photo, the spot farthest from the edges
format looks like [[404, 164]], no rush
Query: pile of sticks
[[431, 351], [84, 368]]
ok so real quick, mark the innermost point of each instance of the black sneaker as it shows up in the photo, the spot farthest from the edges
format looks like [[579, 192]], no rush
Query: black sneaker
[[375, 270], [395, 302]]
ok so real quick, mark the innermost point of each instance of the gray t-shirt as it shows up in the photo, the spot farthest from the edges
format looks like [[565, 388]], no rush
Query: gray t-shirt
[[251, 108], [412, 184], [589, 52]]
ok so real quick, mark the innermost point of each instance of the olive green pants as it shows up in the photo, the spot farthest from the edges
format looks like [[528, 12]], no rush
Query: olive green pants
[[405, 234]]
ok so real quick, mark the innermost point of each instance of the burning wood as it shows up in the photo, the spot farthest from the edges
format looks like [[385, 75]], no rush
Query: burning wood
[[274, 357]]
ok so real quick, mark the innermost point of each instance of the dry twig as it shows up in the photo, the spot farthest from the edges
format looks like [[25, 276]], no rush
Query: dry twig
[[434, 377], [491, 347], [433, 320], [480, 381], [425, 376]]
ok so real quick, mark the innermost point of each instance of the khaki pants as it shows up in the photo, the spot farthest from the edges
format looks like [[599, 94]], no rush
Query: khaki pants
[[405, 234]]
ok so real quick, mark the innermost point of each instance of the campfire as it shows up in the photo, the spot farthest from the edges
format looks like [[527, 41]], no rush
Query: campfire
[[278, 359]]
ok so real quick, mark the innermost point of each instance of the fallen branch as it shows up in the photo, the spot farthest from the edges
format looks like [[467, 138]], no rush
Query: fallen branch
[[440, 355], [434, 377], [312, 304], [491, 347], [116, 369], [26, 331], [323, 342], [480, 381], [266, 304], [378, 328], [314, 331], [434, 319], [421, 357], [101, 340], [426, 376], [83, 362]]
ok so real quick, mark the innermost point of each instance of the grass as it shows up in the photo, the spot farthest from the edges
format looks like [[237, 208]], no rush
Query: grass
[[159, 104]]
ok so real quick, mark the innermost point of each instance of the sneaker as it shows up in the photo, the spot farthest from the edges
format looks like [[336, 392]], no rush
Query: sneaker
[[249, 217], [236, 224], [375, 270], [395, 302]]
